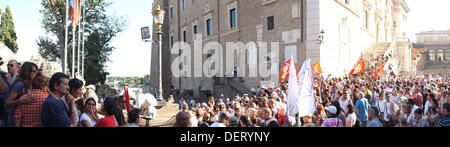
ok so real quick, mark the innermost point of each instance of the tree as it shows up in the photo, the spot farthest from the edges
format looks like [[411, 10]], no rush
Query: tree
[[8, 33], [99, 31]]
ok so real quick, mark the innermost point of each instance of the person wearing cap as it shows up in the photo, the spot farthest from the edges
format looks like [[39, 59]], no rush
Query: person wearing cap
[[332, 118], [223, 120], [90, 93]]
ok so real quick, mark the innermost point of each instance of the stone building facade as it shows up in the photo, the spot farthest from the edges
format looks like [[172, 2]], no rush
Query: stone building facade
[[434, 47], [352, 28]]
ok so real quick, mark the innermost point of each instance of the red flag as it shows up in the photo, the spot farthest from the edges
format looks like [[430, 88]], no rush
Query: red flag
[[285, 71], [359, 68], [316, 69], [127, 98]]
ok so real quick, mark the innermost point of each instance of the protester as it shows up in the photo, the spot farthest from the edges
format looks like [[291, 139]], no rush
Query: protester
[[29, 115], [13, 70], [269, 121], [244, 121], [120, 110], [391, 112], [351, 115], [90, 116], [133, 118], [90, 93], [4, 92], [307, 121], [362, 107], [223, 120], [375, 121], [54, 111], [332, 118], [20, 89], [109, 107], [418, 120], [182, 119], [76, 90], [445, 120], [433, 116]]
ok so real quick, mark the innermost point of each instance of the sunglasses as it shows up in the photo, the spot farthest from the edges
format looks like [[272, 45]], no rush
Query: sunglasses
[[34, 71], [11, 65]]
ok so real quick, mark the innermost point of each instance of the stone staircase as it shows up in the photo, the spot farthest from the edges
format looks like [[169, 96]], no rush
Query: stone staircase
[[375, 50]]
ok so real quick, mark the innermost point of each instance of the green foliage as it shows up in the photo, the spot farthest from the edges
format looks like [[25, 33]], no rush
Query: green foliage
[[7, 32], [132, 81], [100, 29]]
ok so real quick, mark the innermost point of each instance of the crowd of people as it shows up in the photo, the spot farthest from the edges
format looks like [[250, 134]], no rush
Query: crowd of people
[[361, 100], [351, 101], [31, 99]]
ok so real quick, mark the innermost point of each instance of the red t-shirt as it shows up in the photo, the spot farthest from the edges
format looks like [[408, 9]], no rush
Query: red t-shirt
[[108, 121]]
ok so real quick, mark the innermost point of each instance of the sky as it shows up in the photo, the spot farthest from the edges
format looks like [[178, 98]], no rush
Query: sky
[[132, 56]]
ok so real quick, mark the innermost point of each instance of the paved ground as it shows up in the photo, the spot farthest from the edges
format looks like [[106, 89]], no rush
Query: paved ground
[[165, 116]]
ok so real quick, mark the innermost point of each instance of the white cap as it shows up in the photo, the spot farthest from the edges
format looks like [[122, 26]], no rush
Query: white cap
[[90, 87], [331, 109]]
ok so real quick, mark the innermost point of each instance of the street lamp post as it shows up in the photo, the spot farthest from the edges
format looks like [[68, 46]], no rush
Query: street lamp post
[[158, 18]]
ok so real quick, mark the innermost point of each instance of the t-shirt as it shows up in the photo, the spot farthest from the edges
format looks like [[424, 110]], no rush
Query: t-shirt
[[389, 106], [352, 118], [108, 121], [411, 115], [16, 88], [216, 124], [54, 113], [332, 122], [375, 123], [85, 117], [344, 104], [421, 123], [362, 105]]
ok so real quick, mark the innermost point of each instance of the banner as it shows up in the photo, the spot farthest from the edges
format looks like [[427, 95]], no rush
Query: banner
[[306, 101], [359, 68], [292, 101]]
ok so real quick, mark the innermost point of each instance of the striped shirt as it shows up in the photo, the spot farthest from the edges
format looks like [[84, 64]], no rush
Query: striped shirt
[[29, 115], [444, 121]]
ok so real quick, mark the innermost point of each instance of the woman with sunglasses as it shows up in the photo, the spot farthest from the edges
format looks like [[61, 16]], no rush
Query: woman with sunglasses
[[89, 117], [18, 94]]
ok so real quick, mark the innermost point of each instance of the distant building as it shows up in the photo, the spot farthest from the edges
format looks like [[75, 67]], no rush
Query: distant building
[[434, 48]]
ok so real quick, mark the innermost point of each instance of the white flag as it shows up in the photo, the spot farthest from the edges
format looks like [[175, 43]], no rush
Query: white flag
[[292, 101], [306, 101]]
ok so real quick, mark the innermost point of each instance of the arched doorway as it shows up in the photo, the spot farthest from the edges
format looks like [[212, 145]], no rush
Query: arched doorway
[[440, 55], [431, 55]]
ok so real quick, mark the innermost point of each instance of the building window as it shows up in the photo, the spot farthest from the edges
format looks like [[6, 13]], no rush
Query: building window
[[208, 27], [183, 3], [233, 18], [270, 23], [194, 32], [184, 36], [442, 38], [193, 1], [171, 41], [171, 12]]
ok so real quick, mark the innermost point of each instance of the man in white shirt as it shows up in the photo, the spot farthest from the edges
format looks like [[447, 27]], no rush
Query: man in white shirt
[[413, 108], [391, 111]]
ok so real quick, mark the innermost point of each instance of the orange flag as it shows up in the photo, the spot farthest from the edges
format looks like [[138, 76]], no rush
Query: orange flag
[[316, 69], [285, 70], [380, 68], [374, 73], [359, 68]]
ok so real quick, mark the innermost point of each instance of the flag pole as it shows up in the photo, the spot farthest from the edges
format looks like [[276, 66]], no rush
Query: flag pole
[[78, 49], [82, 48], [64, 70]]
